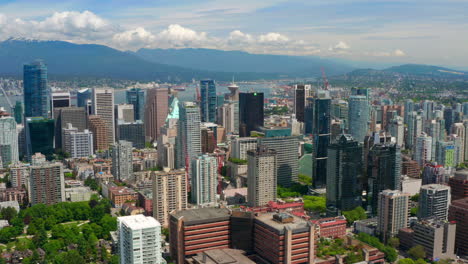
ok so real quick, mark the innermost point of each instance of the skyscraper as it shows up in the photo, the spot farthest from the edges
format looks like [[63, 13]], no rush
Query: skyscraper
[[8, 141], [318, 122], [133, 132], [122, 166], [188, 141], [103, 106], [414, 129], [449, 117], [124, 112], [240, 146], [47, 184], [82, 97], [169, 193], [301, 92], [409, 108], [99, 130], [60, 99], [459, 130], [397, 129], [204, 179], [287, 158], [78, 143], [36, 91], [250, 113], [423, 149], [39, 136], [156, 110], [261, 176], [344, 168], [383, 172], [447, 153], [359, 116], [458, 212], [208, 100], [392, 213], [136, 97], [139, 240], [434, 200], [18, 112], [68, 115]]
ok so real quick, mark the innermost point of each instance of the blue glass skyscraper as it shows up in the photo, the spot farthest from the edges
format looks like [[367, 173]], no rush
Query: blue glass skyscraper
[[136, 97], [358, 117], [36, 92], [208, 100]]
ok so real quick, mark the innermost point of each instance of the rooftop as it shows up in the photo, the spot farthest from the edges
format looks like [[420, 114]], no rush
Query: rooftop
[[222, 256], [201, 215], [297, 224], [138, 221], [435, 187]]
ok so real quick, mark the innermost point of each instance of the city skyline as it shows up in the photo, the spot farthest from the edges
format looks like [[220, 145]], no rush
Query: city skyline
[[378, 32]]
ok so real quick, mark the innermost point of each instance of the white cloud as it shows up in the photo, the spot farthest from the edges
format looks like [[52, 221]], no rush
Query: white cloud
[[399, 53], [237, 37], [340, 48], [138, 37], [181, 37], [273, 38]]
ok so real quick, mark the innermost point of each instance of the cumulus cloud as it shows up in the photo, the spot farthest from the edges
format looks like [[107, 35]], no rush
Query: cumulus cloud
[[237, 37], [395, 53], [340, 48], [273, 38], [138, 37]]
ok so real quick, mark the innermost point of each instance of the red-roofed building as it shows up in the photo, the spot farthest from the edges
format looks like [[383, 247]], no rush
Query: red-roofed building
[[296, 208], [332, 227]]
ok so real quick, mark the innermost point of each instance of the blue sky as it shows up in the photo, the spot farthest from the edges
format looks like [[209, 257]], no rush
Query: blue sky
[[430, 32]]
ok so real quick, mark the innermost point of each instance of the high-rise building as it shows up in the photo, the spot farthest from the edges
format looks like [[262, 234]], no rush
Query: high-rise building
[[156, 110], [78, 143], [359, 116], [414, 129], [208, 100], [19, 175], [103, 106], [46, 184], [36, 91], [261, 176], [392, 213], [318, 122], [228, 116], [60, 99], [459, 130], [447, 153], [465, 124], [251, 116], [301, 92], [383, 172], [139, 240], [133, 132], [397, 130], [449, 117], [8, 141], [83, 97], [409, 108], [124, 112], [344, 169], [136, 97], [437, 237], [433, 173], [197, 230], [459, 185], [423, 149], [39, 136], [122, 158], [434, 200], [240, 146], [68, 115], [99, 129], [204, 179], [38, 159], [18, 112], [458, 212], [188, 141], [434, 130], [287, 158], [169, 193]]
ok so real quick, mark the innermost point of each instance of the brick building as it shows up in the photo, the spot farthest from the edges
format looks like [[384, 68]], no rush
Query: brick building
[[331, 227], [120, 194], [458, 212], [195, 231], [283, 238], [459, 185]]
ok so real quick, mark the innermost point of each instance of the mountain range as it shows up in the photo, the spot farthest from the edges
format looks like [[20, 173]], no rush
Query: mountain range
[[65, 60]]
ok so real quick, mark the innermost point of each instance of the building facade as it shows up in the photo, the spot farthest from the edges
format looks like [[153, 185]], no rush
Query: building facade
[[261, 176], [36, 91], [359, 117], [122, 157], [9, 149], [208, 100], [251, 116], [392, 213], [136, 97], [103, 106], [204, 179], [78, 144], [156, 110], [434, 200], [46, 184]]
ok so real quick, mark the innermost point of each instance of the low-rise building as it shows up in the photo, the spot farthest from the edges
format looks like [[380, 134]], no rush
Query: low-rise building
[[121, 194], [78, 194], [331, 227]]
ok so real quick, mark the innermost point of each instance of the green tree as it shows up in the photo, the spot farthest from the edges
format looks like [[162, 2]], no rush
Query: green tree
[[422, 261], [315, 203], [394, 242], [8, 213], [414, 211], [357, 213], [417, 252], [70, 257], [405, 261], [415, 198]]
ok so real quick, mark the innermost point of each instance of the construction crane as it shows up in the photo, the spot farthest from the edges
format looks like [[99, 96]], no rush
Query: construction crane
[[6, 97], [325, 80]]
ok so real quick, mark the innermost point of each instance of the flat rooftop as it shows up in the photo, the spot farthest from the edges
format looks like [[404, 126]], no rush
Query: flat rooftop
[[136, 222], [222, 256], [203, 215], [298, 224]]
